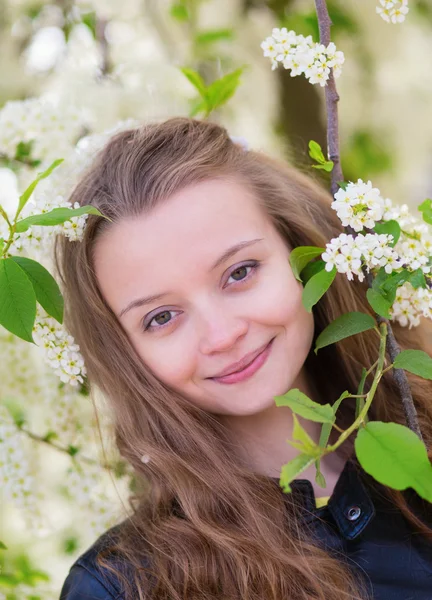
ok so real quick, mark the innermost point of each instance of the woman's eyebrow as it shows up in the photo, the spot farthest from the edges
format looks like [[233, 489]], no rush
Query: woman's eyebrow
[[225, 256]]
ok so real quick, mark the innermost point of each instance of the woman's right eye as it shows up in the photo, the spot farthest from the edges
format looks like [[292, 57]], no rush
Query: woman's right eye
[[162, 319]]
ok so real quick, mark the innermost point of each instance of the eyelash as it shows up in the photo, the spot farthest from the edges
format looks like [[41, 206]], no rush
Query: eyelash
[[254, 264]]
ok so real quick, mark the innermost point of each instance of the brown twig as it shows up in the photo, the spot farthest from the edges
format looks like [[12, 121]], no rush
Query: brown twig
[[332, 99], [64, 449]]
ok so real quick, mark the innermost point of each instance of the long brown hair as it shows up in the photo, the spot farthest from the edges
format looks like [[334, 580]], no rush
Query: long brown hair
[[212, 528]]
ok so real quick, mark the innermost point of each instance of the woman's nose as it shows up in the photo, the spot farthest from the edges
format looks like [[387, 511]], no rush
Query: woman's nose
[[220, 331]]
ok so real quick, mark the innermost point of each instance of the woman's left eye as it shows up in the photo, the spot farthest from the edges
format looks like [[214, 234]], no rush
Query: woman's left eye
[[241, 272]]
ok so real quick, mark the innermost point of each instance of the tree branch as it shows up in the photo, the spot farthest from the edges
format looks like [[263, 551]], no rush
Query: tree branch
[[332, 99], [64, 449]]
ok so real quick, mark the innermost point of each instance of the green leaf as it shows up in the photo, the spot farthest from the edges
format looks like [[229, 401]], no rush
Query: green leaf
[[17, 300], [426, 209], [305, 407], [414, 361], [316, 287], [391, 227], [344, 326], [301, 256], [360, 402], [45, 286], [380, 304], [179, 11], [2, 546], [312, 269], [390, 283], [326, 166], [417, 279], [343, 184], [196, 80], [29, 191], [326, 428], [304, 442], [221, 90], [316, 153], [293, 468], [56, 217], [319, 477], [395, 456], [213, 35]]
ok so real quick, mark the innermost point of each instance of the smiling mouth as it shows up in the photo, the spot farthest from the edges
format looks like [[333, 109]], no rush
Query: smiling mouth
[[247, 370]]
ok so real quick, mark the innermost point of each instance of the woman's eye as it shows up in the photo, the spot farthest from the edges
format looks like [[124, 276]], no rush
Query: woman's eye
[[244, 272], [240, 274], [161, 319]]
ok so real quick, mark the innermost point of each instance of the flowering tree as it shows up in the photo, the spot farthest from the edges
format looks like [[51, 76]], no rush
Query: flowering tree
[[47, 142], [382, 243]]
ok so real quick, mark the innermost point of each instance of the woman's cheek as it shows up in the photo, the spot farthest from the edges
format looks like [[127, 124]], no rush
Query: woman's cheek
[[170, 361]]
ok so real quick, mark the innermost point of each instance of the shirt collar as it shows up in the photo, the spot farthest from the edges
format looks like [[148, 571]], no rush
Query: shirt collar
[[350, 504]]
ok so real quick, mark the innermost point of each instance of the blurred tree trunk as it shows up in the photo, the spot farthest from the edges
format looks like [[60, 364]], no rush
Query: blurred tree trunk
[[301, 105]]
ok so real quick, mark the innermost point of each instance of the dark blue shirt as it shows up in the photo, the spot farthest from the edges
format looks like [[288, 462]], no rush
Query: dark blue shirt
[[358, 525]]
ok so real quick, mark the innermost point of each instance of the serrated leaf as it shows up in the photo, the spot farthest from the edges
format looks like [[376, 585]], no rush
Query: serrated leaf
[[319, 477], [306, 444], [391, 282], [213, 35], [343, 184], [312, 269], [417, 279], [343, 327], [305, 407], [179, 11], [301, 256], [391, 227], [56, 217], [380, 304], [395, 456], [326, 166], [17, 300], [293, 468], [30, 189], [221, 90], [45, 286], [196, 80], [326, 428], [426, 209], [414, 361], [316, 287], [316, 153]]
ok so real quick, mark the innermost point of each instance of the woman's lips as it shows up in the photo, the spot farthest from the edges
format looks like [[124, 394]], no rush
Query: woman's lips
[[248, 371]]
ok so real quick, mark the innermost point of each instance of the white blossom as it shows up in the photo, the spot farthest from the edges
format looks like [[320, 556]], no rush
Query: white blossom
[[393, 11], [301, 55], [411, 304], [59, 348], [350, 254], [359, 206]]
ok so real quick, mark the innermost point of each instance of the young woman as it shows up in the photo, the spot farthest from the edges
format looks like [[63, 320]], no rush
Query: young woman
[[190, 322]]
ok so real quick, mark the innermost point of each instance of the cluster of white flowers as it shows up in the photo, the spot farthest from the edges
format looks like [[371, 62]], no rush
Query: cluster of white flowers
[[16, 480], [411, 304], [350, 254], [83, 483], [59, 348], [361, 206], [301, 55], [393, 11], [52, 128], [358, 206]]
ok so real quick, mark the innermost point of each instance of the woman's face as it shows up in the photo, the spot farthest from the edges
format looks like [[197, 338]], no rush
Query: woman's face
[[198, 284]]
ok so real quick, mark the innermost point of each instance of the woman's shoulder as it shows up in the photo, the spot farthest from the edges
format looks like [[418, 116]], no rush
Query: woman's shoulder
[[88, 580]]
